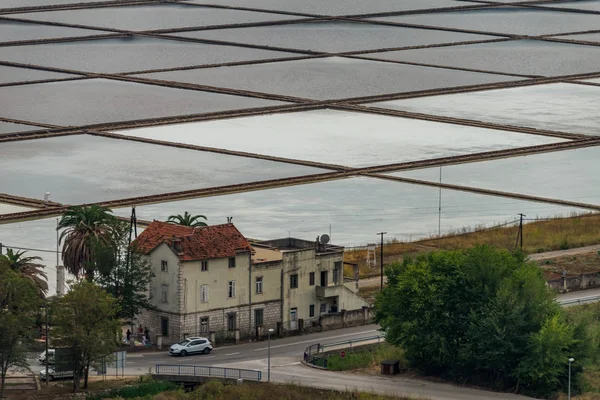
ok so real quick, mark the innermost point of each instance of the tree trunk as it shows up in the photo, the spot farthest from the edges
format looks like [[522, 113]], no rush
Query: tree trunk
[[86, 372], [76, 373], [3, 379]]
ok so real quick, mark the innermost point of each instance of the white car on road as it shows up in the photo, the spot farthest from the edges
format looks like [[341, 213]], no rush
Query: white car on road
[[191, 345]]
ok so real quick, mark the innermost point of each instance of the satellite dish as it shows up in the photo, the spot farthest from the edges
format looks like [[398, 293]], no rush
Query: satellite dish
[[324, 238]]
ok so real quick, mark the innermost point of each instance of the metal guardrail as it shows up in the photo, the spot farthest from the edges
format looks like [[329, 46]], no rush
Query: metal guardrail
[[352, 342], [313, 353], [211, 372], [581, 300]]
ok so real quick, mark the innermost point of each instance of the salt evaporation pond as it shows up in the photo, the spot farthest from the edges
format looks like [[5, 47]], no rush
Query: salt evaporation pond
[[96, 101], [566, 175], [504, 20], [524, 57], [131, 54], [334, 36], [338, 137], [154, 17], [329, 78], [561, 106], [83, 169]]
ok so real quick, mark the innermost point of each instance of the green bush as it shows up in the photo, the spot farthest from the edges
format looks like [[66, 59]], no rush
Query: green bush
[[131, 392], [369, 357], [484, 316]]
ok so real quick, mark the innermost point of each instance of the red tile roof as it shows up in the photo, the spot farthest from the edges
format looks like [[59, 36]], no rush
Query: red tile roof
[[201, 243]]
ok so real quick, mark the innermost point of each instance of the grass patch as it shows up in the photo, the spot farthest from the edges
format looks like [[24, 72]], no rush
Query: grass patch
[[370, 357], [538, 237], [574, 265], [131, 392], [368, 293], [215, 390]]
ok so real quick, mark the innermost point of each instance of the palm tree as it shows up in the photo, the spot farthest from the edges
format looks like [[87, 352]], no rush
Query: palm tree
[[27, 268], [88, 231], [187, 219]]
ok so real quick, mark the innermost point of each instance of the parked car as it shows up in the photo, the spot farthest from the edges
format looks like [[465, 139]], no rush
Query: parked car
[[52, 374], [190, 346], [42, 357]]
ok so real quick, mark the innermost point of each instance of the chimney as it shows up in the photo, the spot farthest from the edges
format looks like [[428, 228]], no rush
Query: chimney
[[176, 243]]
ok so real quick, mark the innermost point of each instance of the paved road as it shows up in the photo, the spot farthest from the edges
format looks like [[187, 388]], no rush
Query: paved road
[[286, 367], [560, 253], [579, 294]]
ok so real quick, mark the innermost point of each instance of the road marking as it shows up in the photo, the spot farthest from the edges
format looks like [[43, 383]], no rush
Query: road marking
[[130, 362], [316, 340], [232, 354]]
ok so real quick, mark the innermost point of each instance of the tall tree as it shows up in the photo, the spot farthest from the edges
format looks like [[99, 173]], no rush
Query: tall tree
[[187, 219], [27, 267], [87, 230], [19, 301], [127, 276], [85, 320], [481, 315]]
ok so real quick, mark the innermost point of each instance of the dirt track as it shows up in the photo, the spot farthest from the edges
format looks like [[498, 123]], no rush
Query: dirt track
[[370, 282]]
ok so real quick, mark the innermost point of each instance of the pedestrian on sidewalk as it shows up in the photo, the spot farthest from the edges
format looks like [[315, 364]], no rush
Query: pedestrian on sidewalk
[[147, 334], [128, 335]]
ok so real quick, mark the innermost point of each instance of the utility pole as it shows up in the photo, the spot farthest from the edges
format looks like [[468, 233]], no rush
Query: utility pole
[[520, 233], [440, 206], [47, 353], [381, 252]]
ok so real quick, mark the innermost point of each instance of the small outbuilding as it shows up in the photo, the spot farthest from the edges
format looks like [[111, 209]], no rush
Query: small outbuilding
[[390, 367]]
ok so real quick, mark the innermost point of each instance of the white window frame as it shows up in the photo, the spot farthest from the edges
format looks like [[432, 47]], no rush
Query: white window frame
[[164, 266], [204, 266], [204, 293], [231, 290], [259, 285]]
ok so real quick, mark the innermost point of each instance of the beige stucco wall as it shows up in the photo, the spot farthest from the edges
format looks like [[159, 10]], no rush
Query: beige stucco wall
[[169, 278], [303, 262], [217, 278], [271, 274]]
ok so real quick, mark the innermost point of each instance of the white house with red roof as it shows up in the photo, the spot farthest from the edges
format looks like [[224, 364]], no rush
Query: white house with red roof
[[211, 281]]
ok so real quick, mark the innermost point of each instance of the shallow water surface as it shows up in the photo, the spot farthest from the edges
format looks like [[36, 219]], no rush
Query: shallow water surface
[[337, 137]]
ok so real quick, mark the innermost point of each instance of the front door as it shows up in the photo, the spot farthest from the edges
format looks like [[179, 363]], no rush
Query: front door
[[293, 319]]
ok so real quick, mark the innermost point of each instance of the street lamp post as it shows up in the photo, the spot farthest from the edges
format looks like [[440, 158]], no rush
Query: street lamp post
[[269, 358], [570, 361]]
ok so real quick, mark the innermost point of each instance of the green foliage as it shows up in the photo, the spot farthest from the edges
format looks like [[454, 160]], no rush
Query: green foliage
[[544, 368], [19, 300], [130, 392], [85, 320], [87, 231], [27, 267], [369, 357], [483, 316], [187, 219], [124, 273]]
